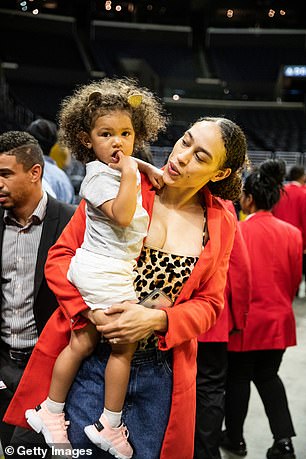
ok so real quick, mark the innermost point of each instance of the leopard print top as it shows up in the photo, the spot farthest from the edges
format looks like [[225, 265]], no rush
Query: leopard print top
[[168, 272]]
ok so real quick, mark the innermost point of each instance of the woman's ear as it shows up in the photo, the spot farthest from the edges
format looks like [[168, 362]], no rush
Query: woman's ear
[[250, 200], [221, 174], [84, 139], [247, 203]]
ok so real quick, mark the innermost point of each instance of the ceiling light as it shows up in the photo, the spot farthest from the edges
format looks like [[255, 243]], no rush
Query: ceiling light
[[50, 5]]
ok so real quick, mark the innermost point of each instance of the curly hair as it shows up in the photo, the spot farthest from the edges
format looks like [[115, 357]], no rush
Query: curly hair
[[235, 158], [266, 183], [79, 112]]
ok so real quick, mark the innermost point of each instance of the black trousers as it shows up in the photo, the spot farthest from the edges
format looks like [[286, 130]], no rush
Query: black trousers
[[211, 380], [261, 367], [10, 375]]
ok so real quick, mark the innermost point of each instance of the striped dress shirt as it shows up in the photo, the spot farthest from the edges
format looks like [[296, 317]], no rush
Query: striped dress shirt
[[19, 257]]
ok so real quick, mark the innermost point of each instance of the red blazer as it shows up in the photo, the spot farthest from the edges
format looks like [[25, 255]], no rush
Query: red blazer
[[292, 207], [275, 250], [195, 311], [237, 293]]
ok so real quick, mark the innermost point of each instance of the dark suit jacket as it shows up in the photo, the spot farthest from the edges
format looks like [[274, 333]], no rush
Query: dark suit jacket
[[57, 216]]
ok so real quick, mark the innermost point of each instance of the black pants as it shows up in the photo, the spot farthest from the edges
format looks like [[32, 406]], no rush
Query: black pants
[[211, 379], [261, 367], [10, 374]]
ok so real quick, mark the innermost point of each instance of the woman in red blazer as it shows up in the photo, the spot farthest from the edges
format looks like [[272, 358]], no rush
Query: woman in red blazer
[[292, 204], [189, 224], [275, 250], [212, 351]]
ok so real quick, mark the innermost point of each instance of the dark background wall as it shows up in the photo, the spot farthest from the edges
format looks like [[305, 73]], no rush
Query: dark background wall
[[202, 57]]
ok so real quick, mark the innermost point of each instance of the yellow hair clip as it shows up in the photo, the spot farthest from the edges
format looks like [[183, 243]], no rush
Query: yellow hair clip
[[135, 100]]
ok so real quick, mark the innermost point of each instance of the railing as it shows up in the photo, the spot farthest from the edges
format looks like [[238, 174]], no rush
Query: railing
[[12, 112], [160, 155]]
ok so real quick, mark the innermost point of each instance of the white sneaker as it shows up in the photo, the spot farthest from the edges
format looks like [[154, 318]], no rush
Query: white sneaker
[[111, 439], [52, 426]]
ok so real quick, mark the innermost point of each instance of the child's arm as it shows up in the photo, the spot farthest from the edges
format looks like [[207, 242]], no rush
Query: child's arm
[[121, 209], [154, 174]]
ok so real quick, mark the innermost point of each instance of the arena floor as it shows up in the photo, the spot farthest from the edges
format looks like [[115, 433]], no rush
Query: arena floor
[[293, 373]]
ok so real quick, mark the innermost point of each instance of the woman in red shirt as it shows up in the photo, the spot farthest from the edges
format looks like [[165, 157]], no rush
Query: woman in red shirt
[[275, 252]]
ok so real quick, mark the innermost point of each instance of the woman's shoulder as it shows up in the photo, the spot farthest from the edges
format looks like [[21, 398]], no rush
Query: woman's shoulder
[[145, 182], [285, 226], [216, 202], [147, 189], [223, 204], [226, 208], [221, 219]]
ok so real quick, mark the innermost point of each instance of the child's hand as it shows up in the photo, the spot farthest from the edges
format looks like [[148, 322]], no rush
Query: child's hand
[[155, 176], [124, 164]]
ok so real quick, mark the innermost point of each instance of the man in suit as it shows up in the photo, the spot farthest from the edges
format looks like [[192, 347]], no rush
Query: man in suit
[[30, 223]]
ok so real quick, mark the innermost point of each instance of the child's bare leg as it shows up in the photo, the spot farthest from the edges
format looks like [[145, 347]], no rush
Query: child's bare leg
[[109, 433], [48, 417], [117, 374], [81, 345]]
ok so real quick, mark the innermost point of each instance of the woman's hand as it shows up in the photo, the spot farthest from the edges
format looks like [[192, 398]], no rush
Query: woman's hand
[[98, 316], [131, 322], [88, 314]]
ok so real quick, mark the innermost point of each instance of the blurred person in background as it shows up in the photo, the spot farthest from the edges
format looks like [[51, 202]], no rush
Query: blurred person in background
[[61, 156], [45, 132], [212, 351], [70, 165], [255, 354], [292, 209]]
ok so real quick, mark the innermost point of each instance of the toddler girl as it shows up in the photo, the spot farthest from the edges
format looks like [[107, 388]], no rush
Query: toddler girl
[[102, 123]]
